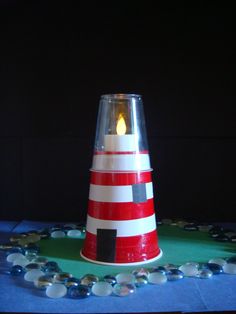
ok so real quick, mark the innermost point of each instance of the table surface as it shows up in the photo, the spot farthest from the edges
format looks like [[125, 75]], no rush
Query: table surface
[[187, 295]]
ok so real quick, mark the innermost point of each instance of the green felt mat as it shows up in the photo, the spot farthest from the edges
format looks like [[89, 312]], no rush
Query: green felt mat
[[178, 246]]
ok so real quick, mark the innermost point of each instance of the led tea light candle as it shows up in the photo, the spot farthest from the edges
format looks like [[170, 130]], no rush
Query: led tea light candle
[[120, 142], [121, 223]]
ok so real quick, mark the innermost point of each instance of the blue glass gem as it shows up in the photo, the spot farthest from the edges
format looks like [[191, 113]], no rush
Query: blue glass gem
[[16, 270], [16, 249], [140, 280], [79, 292], [50, 267], [69, 282], [231, 260], [215, 268], [175, 274], [110, 279]]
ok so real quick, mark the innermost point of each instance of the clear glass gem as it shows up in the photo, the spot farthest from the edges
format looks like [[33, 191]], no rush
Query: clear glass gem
[[125, 278], [141, 280], [140, 272], [204, 274], [75, 233], [157, 278], [13, 256], [219, 261], [33, 274], [89, 280], [229, 268], [102, 289], [110, 279], [31, 266], [189, 269], [58, 234], [175, 274], [22, 261], [43, 282], [62, 276], [123, 289], [56, 290]]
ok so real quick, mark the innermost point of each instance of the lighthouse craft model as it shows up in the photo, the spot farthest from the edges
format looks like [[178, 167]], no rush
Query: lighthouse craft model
[[121, 223]]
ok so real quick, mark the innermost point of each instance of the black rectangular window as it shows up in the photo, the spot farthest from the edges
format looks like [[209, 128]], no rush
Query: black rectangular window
[[106, 245]]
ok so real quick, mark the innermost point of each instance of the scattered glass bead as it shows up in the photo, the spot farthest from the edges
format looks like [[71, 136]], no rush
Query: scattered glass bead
[[110, 279], [44, 234], [89, 280], [31, 266], [222, 238], [58, 234], [204, 274], [79, 292], [125, 278], [33, 238], [71, 225], [215, 268], [216, 229], [16, 249], [229, 268], [13, 256], [33, 274], [159, 269], [43, 282], [16, 270], [231, 260], [232, 239], [124, 289], [75, 233], [6, 246], [62, 276], [56, 290], [169, 266], [40, 260], [140, 280], [69, 282], [191, 227], [175, 274], [157, 278], [30, 255], [181, 223], [189, 269], [51, 267], [102, 289], [15, 238], [140, 272], [22, 261], [219, 261]]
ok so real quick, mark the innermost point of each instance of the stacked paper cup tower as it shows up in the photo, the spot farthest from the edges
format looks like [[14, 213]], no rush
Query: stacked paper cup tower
[[121, 223]]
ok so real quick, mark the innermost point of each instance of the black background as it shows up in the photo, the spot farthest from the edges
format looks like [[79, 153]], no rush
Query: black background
[[57, 60]]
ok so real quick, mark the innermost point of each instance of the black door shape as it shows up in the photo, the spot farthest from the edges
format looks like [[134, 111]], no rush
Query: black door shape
[[106, 245]]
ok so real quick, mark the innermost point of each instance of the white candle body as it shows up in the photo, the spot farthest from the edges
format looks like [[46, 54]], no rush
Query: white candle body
[[120, 143]]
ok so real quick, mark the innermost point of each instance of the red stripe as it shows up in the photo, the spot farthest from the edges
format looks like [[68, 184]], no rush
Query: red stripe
[[120, 211], [120, 153], [124, 178], [128, 249]]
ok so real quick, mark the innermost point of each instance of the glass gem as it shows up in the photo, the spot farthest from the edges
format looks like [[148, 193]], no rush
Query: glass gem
[[40, 260], [159, 269], [89, 280], [69, 282], [75, 233], [62, 276], [30, 255], [140, 272], [233, 239], [204, 228], [170, 266], [222, 238], [16, 249], [215, 268], [175, 274], [31, 266], [110, 279], [22, 261], [216, 229], [71, 225], [56, 290], [141, 280], [181, 223], [13, 256], [166, 221], [191, 227], [102, 289], [79, 292], [231, 260], [33, 238], [6, 246], [16, 270], [125, 278], [157, 278], [124, 289], [219, 261], [44, 234], [204, 274], [229, 268], [189, 270], [15, 238], [58, 234], [43, 282], [33, 274]]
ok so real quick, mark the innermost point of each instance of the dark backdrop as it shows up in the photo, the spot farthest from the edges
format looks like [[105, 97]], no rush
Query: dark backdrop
[[57, 60]]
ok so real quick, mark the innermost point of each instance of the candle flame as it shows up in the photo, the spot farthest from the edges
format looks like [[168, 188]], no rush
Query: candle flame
[[121, 126]]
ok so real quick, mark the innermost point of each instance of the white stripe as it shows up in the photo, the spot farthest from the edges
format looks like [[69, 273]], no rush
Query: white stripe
[[122, 162], [116, 194], [125, 228]]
